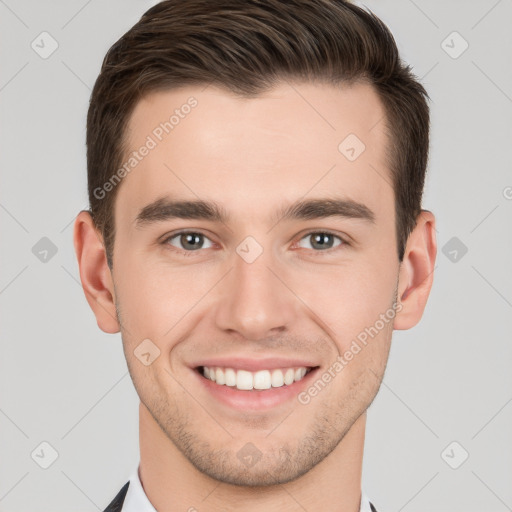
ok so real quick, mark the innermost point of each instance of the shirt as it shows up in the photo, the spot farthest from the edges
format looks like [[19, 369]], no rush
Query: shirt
[[137, 501]]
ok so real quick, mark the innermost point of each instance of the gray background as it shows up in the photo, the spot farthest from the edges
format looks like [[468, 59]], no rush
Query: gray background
[[65, 382]]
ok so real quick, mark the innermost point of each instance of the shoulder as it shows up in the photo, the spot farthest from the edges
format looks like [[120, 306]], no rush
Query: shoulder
[[116, 504]]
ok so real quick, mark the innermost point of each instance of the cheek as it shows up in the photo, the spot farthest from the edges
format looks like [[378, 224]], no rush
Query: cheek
[[148, 299], [358, 307], [158, 300], [351, 297]]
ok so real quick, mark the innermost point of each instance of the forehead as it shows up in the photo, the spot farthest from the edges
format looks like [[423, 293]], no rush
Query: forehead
[[255, 153]]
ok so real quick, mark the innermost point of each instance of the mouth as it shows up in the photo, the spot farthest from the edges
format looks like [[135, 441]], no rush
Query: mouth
[[244, 380], [259, 391]]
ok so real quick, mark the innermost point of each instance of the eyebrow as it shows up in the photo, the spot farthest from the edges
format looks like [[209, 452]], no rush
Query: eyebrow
[[166, 208]]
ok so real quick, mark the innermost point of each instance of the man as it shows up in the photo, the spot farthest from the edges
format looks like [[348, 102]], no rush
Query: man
[[255, 174]]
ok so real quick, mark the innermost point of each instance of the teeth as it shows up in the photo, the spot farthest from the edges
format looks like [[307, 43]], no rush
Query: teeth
[[277, 379], [262, 379], [219, 376], [230, 377], [289, 376], [244, 379]]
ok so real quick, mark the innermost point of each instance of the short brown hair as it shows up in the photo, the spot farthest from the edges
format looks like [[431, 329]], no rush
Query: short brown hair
[[246, 47]]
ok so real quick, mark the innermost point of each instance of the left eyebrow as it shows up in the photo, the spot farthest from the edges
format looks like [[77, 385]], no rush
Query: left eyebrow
[[165, 208], [326, 207]]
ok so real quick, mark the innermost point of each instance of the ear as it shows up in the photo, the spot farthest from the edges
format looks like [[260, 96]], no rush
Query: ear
[[95, 274], [416, 272]]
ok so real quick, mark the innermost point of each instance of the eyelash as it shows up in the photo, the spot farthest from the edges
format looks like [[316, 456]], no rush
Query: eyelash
[[344, 242]]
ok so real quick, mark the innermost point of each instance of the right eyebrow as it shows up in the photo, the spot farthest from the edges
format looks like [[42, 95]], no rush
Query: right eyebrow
[[164, 209]]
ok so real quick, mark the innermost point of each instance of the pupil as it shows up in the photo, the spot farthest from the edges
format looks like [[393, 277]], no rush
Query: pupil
[[189, 239], [318, 239]]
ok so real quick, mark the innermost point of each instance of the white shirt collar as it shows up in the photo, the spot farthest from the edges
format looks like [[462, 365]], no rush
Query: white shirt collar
[[137, 501]]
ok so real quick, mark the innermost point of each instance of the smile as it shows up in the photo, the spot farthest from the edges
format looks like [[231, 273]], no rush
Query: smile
[[262, 379]]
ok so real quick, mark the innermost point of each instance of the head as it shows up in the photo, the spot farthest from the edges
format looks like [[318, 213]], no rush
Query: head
[[246, 108]]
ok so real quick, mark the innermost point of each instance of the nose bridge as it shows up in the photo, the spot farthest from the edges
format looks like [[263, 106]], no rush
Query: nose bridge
[[254, 301]]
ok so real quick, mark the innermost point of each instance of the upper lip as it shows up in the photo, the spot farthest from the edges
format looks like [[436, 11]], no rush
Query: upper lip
[[252, 364]]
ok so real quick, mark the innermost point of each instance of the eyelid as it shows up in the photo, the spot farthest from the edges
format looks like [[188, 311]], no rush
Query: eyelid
[[174, 234], [344, 240]]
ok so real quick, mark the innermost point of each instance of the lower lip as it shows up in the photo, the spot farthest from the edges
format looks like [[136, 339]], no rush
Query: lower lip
[[255, 399]]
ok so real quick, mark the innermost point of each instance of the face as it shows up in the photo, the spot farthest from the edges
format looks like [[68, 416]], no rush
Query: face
[[238, 285]]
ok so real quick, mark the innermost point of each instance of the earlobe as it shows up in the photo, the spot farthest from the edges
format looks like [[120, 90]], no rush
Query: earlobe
[[94, 272], [416, 272]]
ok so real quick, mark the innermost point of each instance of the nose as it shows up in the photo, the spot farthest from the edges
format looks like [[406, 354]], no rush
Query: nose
[[255, 302]]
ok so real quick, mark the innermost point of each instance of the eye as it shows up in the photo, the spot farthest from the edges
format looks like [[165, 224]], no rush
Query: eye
[[192, 241], [189, 241], [322, 241]]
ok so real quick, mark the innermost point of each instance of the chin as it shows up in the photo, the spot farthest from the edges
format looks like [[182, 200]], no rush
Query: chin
[[263, 476]]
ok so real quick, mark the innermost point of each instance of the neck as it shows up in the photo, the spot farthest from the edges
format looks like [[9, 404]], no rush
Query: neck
[[173, 484]]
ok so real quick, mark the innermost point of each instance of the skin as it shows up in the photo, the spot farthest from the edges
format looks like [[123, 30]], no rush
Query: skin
[[253, 156]]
